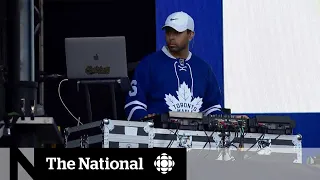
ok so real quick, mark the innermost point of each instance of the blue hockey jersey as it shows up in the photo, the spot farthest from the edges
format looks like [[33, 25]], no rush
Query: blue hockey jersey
[[162, 83]]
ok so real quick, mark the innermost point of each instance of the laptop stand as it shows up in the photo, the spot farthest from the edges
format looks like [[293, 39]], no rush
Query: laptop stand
[[124, 85]]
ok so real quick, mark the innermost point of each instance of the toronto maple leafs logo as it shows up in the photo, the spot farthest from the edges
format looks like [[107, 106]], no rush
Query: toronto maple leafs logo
[[185, 101]]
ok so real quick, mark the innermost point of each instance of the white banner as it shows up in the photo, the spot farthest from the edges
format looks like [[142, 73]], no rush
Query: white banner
[[271, 55]]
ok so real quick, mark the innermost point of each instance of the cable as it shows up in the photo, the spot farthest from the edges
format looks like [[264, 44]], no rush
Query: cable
[[241, 140], [172, 140], [236, 134], [59, 87], [261, 148], [277, 137], [208, 140], [261, 137], [175, 134]]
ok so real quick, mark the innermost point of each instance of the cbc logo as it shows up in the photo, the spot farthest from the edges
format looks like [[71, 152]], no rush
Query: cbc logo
[[164, 163]]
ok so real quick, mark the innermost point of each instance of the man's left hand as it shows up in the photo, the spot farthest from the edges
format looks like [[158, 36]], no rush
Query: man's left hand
[[242, 117]]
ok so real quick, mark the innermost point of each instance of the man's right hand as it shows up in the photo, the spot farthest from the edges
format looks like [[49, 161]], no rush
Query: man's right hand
[[149, 115]]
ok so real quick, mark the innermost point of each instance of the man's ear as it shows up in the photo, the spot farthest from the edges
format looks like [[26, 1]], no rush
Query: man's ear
[[191, 35]]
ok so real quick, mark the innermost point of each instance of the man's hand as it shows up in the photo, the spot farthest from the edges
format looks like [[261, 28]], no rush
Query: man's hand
[[242, 117], [149, 115]]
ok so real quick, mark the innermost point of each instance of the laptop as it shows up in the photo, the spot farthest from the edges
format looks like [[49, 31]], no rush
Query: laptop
[[96, 57]]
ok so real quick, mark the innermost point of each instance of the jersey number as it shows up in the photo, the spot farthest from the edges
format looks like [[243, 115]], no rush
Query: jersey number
[[134, 88]]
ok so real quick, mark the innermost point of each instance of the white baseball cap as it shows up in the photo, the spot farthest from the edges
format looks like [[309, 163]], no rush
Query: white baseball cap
[[180, 21]]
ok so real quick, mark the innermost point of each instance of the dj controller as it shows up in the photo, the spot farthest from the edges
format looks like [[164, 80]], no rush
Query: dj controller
[[229, 123]]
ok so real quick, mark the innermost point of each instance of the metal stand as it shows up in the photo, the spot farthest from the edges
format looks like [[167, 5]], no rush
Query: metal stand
[[22, 94], [2, 97], [123, 82], [31, 132], [3, 57], [28, 98]]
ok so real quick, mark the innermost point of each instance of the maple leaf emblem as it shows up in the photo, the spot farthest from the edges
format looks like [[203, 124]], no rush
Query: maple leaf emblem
[[185, 101]]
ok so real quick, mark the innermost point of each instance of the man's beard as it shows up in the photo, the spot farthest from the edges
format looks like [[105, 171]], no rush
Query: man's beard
[[176, 49]]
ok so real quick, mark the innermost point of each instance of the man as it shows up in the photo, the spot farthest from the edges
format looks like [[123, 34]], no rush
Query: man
[[173, 79]]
